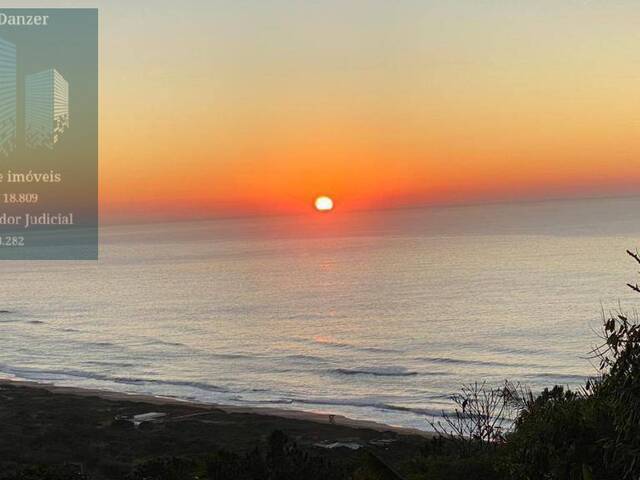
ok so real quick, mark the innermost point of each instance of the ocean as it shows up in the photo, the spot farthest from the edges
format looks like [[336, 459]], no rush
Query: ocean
[[377, 315]]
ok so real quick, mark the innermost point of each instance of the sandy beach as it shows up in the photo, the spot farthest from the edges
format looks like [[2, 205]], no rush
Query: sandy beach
[[323, 418], [108, 433]]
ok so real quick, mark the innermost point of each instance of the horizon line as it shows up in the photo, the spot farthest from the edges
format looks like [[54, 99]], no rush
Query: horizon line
[[461, 204]]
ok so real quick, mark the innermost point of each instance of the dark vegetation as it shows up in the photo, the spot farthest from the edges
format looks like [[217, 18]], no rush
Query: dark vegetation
[[495, 433]]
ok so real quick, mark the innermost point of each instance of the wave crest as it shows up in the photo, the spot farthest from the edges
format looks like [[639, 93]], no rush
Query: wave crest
[[377, 372]]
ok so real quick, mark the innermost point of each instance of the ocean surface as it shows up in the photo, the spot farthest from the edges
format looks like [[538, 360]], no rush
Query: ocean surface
[[377, 315]]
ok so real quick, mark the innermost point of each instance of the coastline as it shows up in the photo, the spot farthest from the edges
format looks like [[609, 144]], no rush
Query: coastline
[[112, 435], [292, 414]]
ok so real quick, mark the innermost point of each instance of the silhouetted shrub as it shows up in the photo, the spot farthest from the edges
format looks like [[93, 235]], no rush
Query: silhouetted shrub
[[165, 469], [558, 436], [481, 417], [282, 460], [618, 390]]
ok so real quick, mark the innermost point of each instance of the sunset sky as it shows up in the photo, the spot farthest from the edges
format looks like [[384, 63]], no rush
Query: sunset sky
[[247, 106]]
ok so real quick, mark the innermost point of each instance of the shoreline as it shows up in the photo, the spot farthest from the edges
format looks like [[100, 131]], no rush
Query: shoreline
[[293, 414], [76, 433]]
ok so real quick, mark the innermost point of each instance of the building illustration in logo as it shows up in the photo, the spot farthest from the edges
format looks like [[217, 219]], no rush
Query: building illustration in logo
[[8, 99], [47, 108]]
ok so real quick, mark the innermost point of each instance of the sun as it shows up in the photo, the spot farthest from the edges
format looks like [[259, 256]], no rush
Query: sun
[[324, 204]]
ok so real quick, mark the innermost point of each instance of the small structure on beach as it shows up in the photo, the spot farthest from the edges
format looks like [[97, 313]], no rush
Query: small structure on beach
[[142, 417]]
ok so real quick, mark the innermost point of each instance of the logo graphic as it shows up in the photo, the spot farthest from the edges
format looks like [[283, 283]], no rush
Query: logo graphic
[[48, 160], [8, 99], [47, 108], [46, 104]]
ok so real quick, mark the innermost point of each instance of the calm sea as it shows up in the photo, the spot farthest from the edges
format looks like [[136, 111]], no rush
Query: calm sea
[[378, 315]]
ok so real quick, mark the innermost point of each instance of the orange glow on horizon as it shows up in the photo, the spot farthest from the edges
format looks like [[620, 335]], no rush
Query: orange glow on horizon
[[542, 106]]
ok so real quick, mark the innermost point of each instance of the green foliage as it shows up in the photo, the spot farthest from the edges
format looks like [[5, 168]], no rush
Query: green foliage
[[558, 435], [618, 391]]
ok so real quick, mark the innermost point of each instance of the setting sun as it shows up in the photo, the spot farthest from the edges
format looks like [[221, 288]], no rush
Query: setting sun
[[324, 204]]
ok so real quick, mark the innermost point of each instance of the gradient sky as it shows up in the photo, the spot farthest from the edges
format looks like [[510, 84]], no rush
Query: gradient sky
[[247, 106]]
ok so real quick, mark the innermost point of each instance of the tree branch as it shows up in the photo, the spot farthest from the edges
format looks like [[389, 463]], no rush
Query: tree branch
[[635, 288], [634, 255]]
